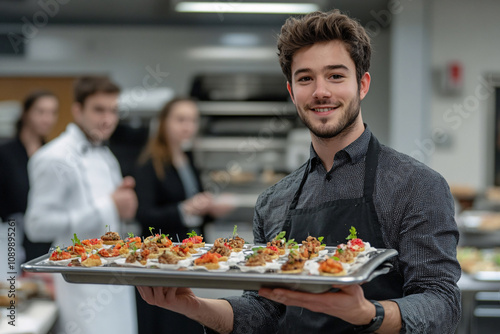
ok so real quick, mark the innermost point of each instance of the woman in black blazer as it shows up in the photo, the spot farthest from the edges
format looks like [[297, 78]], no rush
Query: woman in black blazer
[[170, 194], [171, 199], [39, 115]]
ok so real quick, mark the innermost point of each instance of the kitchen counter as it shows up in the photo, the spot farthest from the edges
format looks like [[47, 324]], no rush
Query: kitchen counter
[[470, 287], [37, 317]]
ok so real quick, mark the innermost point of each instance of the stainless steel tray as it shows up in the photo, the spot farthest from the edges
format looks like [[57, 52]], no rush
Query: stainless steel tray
[[232, 279]]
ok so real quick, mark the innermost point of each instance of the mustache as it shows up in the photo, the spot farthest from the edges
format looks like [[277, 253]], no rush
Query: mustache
[[322, 102]]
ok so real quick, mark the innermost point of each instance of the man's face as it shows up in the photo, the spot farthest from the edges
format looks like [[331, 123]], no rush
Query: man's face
[[98, 116], [324, 89]]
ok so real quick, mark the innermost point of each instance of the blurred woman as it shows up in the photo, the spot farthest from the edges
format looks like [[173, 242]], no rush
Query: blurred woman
[[168, 184], [171, 199], [39, 115]]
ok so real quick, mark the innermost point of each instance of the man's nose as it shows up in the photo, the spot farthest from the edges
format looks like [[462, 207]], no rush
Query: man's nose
[[110, 118], [321, 90]]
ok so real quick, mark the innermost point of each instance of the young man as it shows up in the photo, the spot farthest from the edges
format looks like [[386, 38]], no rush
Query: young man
[[350, 179], [77, 187]]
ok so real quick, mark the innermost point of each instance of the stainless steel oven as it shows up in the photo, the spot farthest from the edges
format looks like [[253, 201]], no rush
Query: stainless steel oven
[[246, 121]]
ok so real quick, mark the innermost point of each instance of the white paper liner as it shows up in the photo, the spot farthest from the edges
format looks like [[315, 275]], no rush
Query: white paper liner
[[234, 258], [58, 263], [121, 262], [222, 268], [259, 269], [112, 259], [181, 264], [322, 252]]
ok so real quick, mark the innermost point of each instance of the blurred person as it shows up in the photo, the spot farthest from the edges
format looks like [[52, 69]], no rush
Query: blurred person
[[171, 197], [169, 190], [39, 115], [77, 187]]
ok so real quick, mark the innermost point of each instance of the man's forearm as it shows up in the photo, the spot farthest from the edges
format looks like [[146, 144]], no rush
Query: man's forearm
[[392, 318], [216, 314]]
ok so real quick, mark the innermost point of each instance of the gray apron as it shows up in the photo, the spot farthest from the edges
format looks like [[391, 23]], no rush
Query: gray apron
[[333, 220]]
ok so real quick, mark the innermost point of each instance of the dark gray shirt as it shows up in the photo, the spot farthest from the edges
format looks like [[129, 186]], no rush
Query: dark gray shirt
[[416, 213]]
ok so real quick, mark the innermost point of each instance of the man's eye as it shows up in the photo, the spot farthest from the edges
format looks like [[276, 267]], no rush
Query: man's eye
[[304, 79], [336, 76]]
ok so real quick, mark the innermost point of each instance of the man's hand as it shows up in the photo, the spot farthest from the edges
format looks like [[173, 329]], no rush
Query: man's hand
[[180, 300], [213, 313], [223, 204], [338, 304], [348, 304], [125, 198]]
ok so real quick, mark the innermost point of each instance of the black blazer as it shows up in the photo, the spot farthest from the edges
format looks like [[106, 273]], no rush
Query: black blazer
[[13, 178], [159, 200], [14, 187]]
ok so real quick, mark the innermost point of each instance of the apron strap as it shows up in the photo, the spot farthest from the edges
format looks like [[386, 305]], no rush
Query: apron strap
[[295, 200], [371, 162]]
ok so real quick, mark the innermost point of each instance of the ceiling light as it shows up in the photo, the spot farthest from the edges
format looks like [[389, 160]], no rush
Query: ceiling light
[[232, 53], [246, 7]]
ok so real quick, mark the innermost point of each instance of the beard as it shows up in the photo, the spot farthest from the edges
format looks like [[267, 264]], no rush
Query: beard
[[339, 128]]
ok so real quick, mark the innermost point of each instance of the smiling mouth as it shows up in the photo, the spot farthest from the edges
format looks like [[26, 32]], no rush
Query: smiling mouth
[[324, 109]]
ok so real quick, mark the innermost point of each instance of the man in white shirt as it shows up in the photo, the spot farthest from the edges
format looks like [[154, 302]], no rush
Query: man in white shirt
[[77, 187]]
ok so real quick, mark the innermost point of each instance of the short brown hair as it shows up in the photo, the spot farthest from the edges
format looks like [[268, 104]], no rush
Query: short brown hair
[[316, 27], [90, 85]]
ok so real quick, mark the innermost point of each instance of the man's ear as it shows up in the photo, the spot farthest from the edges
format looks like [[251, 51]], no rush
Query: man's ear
[[290, 91], [364, 85]]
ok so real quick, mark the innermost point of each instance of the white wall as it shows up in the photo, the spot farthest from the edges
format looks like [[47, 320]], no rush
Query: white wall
[[126, 53], [467, 31], [410, 77]]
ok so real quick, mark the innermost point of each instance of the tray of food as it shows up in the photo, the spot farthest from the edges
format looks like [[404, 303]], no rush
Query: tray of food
[[227, 263]]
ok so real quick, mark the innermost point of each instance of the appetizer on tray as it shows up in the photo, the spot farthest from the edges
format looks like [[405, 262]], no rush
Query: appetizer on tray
[[111, 238], [196, 240], [208, 260], [294, 264], [331, 267]]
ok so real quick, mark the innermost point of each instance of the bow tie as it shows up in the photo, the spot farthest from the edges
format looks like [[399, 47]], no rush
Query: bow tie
[[89, 147]]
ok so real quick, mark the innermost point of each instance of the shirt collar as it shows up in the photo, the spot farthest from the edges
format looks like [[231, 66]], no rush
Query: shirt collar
[[82, 144], [354, 152]]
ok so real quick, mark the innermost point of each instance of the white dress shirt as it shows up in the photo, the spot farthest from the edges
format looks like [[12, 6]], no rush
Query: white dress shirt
[[71, 182]]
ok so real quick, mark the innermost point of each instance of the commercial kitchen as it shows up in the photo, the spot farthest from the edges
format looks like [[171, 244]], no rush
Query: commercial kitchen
[[434, 96]]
